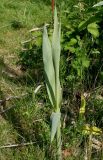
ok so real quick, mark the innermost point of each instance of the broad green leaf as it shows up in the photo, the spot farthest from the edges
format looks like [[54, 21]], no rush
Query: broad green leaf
[[73, 41], [69, 47], [93, 19], [93, 29], [55, 118], [48, 67], [82, 25], [98, 4], [56, 57]]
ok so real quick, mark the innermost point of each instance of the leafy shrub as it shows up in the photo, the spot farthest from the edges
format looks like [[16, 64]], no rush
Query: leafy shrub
[[82, 46]]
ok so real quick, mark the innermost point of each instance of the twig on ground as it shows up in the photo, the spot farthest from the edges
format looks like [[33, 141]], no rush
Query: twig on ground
[[38, 29], [37, 120], [37, 89], [29, 40], [17, 145], [33, 38]]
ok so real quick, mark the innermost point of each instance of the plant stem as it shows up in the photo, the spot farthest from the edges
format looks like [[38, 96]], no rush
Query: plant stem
[[90, 147], [59, 153]]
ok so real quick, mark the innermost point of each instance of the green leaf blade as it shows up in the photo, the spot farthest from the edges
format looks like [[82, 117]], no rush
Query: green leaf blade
[[48, 67], [56, 49], [93, 29]]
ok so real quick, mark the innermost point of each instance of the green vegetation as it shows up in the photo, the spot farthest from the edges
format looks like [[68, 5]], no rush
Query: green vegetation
[[25, 107], [51, 59]]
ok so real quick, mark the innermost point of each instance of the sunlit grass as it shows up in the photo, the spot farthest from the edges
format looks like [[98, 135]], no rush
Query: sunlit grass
[[16, 19], [22, 123]]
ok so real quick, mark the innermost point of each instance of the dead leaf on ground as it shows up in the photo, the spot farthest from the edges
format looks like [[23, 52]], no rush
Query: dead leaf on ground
[[67, 153]]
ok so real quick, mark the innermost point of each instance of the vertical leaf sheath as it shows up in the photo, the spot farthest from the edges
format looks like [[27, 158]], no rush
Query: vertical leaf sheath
[[56, 58]]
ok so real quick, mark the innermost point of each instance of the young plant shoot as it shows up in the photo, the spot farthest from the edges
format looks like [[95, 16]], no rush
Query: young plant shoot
[[51, 59]]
